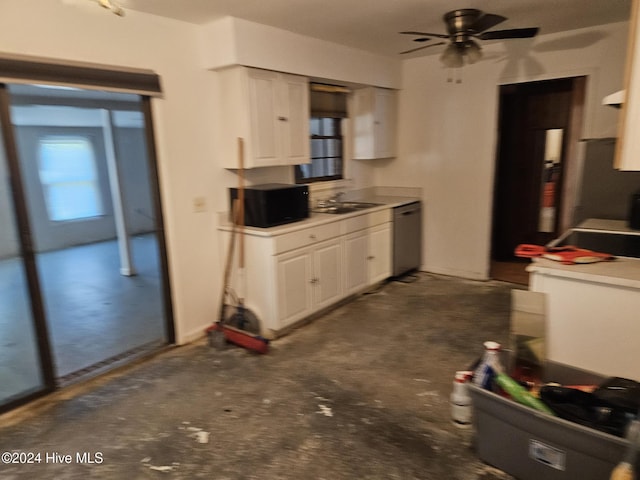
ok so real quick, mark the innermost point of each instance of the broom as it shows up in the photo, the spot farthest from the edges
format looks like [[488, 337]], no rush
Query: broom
[[221, 331]]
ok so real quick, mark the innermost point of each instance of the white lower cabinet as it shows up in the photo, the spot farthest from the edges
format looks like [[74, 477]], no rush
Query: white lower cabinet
[[308, 280], [293, 284], [293, 275], [367, 257], [355, 260], [327, 269], [379, 253]]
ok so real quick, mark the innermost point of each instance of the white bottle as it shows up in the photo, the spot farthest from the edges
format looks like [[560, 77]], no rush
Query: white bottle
[[488, 366], [461, 407]]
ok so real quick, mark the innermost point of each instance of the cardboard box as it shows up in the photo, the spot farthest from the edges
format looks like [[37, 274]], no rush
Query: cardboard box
[[534, 446]]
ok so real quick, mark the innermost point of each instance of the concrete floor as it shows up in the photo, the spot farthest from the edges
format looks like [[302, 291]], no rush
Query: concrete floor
[[360, 393], [93, 313]]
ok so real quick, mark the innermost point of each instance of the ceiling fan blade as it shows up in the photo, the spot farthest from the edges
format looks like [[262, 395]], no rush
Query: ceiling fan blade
[[420, 48], [424, 34], [513, 33], [486, 21]]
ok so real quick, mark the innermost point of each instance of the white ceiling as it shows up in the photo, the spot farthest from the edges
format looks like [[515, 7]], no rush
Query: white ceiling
[[373, 25]]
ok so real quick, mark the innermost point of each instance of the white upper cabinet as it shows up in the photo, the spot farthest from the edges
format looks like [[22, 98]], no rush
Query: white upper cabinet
[[269, 110], [628, 145], [374, 123]]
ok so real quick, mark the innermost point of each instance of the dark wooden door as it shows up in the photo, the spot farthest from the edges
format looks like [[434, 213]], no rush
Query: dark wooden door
[[527, 112]]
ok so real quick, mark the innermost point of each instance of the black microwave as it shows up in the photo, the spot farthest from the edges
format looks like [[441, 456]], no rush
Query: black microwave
[[273, 204]]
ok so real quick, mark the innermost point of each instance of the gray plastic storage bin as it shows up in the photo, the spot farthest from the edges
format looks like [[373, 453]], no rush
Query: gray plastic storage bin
[[531, 445]]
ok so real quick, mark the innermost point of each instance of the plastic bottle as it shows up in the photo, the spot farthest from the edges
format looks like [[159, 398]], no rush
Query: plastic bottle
[[489, 365], [520, 394], [461, 400]]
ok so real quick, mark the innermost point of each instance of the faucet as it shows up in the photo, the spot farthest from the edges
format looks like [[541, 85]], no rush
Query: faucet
[[337, 198]]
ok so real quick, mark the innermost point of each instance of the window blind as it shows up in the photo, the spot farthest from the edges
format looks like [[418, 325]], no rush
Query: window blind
[[36, 70], [328, 101]]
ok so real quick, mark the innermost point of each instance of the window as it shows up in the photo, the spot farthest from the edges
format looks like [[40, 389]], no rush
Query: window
[[328, 105], [326, 151], [69, 178]]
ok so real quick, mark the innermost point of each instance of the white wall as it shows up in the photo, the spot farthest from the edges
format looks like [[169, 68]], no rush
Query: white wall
[[230, 41], [447, 132]]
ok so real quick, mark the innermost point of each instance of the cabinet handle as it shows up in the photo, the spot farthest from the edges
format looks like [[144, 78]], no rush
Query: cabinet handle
[[283, 119], [314, 280], [312, 236], [370, 257]]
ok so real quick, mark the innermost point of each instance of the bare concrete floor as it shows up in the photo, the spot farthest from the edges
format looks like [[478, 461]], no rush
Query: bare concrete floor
[[361, 393]]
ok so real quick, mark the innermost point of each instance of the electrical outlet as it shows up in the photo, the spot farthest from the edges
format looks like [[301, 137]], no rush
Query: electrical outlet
[[199, 204]]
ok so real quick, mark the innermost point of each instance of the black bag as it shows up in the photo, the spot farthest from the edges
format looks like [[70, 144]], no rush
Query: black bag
[[609, 408]]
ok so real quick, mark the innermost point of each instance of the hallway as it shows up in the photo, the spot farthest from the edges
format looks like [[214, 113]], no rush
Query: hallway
[[360, 393]]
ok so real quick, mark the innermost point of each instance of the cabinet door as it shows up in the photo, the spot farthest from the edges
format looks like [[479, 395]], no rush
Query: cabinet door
[[265, 126], [294, 285], [327, 282], [379, 255], [374, 123], [294, 120], [384, 120], [363, 118], [355, 255], [628, 144]]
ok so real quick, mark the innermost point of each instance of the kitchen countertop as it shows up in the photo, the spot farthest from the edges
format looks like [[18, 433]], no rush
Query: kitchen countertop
[[622, 271], [315, 219], [605, 225], [389, 201]]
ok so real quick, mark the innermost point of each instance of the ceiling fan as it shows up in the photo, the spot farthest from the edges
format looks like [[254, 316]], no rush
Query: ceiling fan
[[463, 26]]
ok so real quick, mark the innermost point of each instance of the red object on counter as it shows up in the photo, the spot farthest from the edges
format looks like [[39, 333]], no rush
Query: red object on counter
[[567, 255]]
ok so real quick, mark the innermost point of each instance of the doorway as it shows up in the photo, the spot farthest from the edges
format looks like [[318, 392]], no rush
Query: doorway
[[537, 128], [83, 276]]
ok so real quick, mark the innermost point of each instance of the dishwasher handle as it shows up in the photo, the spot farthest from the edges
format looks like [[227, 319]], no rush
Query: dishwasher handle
[[408, 209]]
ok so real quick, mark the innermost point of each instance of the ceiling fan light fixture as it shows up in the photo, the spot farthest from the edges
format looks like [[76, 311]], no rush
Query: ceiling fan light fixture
[[472, 51], [463, 26], [452, 57]]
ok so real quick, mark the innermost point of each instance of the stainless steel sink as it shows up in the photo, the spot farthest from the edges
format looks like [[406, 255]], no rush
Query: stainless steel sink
[[358, 205], [342, 207]]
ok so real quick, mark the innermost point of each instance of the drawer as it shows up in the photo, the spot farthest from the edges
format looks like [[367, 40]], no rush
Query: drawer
[[306, 236], [380, 217], [367, 220]]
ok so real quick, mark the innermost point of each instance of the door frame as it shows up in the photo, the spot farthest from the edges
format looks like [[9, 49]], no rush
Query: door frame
[[27, 251], [570, 174], [50, 382]]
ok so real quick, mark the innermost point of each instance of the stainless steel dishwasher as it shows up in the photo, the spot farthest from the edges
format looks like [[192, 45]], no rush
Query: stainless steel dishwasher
[[407, 238]]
